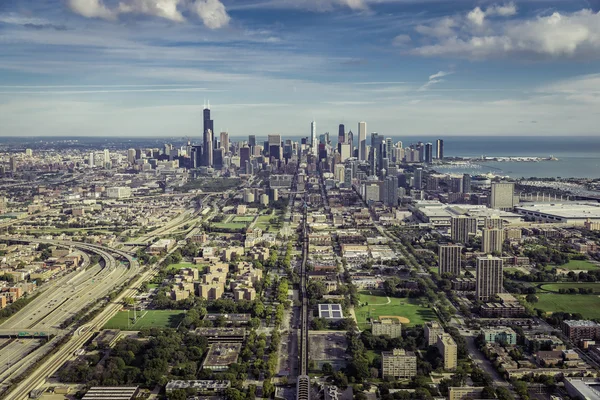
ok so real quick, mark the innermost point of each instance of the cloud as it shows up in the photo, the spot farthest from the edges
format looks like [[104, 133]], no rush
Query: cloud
[[569, 35], [310, 5], [212, 13], [477, 16], [91, 9], [434, 79], [506, 10], [159, 8], [401, 40], [441, 28]]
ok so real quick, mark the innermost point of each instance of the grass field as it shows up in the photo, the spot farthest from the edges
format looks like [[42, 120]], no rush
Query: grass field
[[587, 305], [264, 224], [554, 287], [575, 265], [243, 219], [177, 267], [433, 269], [149, 318], [230, 225], [378, 305]]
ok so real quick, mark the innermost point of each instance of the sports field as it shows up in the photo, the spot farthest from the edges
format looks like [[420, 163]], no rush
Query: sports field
[[146, 318], [264, 224], [588, 305], [554, 287], [579, 265], [375, 304]]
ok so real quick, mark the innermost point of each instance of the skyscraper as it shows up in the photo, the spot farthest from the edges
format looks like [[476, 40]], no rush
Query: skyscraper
[[391, 191], [466, 186], [439, 151], [90, 161], [341, 136], [418, 179], [252, 141], [106, 159], [224, 139], [131, 156], [502, 196], [489, 281], [207, 138], [388, 149], [362, 141], [350, 141], [275, 146], [449, 259], [244, 156], [314, 143], [428, 156], [492, 239], [462, 228]]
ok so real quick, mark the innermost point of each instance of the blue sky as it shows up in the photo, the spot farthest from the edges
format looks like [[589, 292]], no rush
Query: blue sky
[[407, 67]]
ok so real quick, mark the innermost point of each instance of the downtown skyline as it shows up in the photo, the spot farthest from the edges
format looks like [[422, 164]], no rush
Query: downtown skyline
[[434, 68]]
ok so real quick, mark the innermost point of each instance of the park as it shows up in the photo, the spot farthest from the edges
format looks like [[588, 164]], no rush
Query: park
[[375, 304]]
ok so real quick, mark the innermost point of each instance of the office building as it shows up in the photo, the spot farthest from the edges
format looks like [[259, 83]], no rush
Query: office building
[[462, 228], [489, 277], [439, 149], [466, 186], [350, 141], [456, 185], [492, 240], [244, 156], [341, 136], [224, 139], [111, 393], [494, 222], [131, 156], [90, 162], [251, 141], [313, 138], [362, 141], [275, 147], [207, 137], [449, 259], [398, 363], [389, 326], [448, 349], [428, 153], [502, 196], [432, 330]]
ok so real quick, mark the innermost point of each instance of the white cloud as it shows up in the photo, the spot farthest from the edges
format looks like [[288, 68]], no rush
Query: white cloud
[[212, 13], [558, 35], [354, 4], [434, 79], [311, 5], [91, 9], [506, 10], [476, 16], [401, 40], [159, 8], [441, 28]]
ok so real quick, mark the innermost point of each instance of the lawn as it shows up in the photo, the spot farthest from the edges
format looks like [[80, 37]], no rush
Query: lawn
[[412, 309], [177, 267], [229, 225], [264, 224], [579, 265], [243, 219], [146, 318], [554, 287], [587, 305]]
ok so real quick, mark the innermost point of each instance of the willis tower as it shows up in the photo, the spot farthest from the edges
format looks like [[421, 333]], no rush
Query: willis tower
[[207, 139]]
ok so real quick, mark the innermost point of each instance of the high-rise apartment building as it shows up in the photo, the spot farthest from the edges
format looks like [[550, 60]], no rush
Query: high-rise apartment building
[[439, 149], [131, 156], [418, 179], [398, 363], [388, 326], [489, 280], [362, 141], [502, 196], [462, 228], [391, 191], [466, 183], [449, 259], [341, 136], [428, 153], [432, 330], [448, 349], [492, 240]]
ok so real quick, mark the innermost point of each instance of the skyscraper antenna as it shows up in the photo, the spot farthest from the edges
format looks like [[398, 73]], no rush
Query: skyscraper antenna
[[204, 103], [209, 104]]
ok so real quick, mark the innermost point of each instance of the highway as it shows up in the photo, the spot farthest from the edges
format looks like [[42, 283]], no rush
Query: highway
[[61, 300], [303, 385]]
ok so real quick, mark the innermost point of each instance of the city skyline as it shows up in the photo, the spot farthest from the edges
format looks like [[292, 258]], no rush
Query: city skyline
[[111, 68]]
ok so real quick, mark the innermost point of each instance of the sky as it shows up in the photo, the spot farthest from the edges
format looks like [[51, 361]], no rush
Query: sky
[[406, 67]]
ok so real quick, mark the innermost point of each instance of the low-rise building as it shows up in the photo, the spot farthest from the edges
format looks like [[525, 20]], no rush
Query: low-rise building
[[204, 387], [502, 335]]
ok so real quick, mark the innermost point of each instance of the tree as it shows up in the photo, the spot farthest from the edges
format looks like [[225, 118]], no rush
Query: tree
[[128, 301], [327, 369], [268, 388], [531, 298]]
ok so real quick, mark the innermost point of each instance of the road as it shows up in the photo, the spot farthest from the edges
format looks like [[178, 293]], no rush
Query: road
[[61, 300]]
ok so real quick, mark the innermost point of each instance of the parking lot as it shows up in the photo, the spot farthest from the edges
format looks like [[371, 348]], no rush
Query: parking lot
[[328, 347]]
